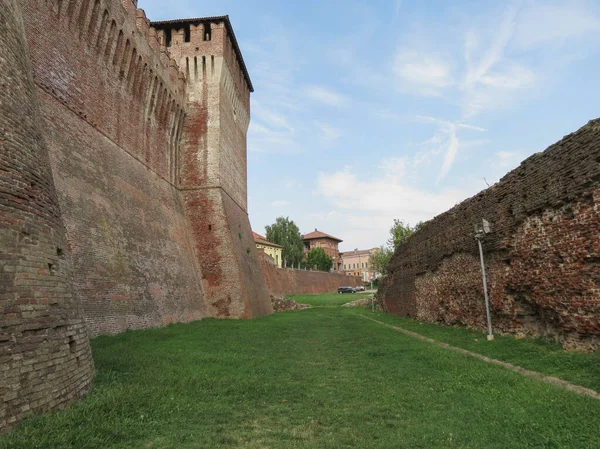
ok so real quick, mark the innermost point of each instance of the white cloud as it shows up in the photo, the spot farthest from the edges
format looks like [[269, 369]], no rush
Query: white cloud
[[397, 6], [544, 24], [280, 203], [326, 96], [445, 141], [369, 204], [327, 132], [425, 74]]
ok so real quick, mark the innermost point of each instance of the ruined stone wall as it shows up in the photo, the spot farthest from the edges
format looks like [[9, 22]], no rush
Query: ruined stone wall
[[113, 105], [45, 358], [542, 258], [284, 281]]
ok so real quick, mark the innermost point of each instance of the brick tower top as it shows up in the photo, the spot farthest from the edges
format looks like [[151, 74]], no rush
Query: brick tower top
[[218, 89]]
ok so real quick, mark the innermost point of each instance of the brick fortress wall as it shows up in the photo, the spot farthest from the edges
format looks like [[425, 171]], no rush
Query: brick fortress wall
[[114, 107], [150, 175], [45, 357], [542, 258], [213, 174], [284, 281]]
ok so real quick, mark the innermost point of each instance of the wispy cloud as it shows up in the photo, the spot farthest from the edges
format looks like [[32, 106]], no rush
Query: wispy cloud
[[397, 6], [421, 73], [280, 203], [493, 74], [369, 204], [555, 24], [326, 96], [327, 132]]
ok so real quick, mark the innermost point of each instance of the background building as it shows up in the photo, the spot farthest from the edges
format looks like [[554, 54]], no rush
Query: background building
[[356, 263], [271, 249], [329, 243]]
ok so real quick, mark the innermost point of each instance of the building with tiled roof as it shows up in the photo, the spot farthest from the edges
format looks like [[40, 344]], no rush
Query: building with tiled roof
[[271, 249], [329, 243], [356, 263]]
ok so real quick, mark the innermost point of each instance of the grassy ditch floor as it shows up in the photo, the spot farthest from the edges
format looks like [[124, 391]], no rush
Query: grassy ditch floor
[[315, 378], [533, 354], [332, 299]]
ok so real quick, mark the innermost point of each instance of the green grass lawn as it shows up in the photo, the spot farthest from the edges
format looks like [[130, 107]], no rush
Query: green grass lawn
[[315, 378], [534, 354], [329, 299]]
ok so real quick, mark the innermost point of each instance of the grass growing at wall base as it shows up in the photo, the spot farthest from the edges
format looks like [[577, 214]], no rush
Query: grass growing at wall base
[[331, 299], [534, 354], [317, 378]]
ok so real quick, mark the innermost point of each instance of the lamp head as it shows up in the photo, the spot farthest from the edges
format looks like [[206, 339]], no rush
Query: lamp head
[[483, 227]]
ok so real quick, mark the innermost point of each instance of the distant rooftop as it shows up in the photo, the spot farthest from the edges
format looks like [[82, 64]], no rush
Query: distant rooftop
[[175, 24], [358, 252], [262, 240], [319, 235]]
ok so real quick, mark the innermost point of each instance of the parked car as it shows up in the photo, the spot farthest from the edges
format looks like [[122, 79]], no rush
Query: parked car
[[360, 288], [346, 289]]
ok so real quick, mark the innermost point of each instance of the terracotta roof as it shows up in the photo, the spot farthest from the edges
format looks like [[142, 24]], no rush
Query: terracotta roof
[[357, 252], [262, 240], [319, 235], [225, 19]]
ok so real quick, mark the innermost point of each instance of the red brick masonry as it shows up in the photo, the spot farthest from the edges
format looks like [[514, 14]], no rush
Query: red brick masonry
[[543, 257], [123, 199], [283, 281]]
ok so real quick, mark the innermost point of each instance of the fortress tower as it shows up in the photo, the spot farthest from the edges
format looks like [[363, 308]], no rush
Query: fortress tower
[[213, 165], [45, 357], [123, 201]]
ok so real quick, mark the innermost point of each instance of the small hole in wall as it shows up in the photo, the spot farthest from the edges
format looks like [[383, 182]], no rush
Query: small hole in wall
[[51, 268], [247, 250], [72, 344], [210, 227], [59, 251], [240, 235]]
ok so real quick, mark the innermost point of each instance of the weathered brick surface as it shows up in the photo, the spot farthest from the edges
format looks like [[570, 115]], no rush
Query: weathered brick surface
[[114, 107], [283, 281], [45, 358], [149, 173], [213, 174], [543, 257], [127, 230]]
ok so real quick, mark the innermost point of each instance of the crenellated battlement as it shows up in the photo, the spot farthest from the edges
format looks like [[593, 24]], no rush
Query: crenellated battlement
[[96, 56], [133, 134], [204, 36]]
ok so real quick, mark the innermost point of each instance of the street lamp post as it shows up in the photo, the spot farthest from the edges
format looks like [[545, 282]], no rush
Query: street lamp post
[[481, 229]]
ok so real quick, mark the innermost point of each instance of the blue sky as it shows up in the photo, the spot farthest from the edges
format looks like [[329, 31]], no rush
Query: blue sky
[[368, 111]]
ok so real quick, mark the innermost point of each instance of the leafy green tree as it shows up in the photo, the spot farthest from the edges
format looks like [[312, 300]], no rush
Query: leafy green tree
[[319, 258], [399, 232], [284, 232], [418, 226], [380, 259]]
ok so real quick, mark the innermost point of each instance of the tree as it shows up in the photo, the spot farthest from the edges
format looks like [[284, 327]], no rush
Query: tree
[[398, 233], [380, 259], [319, 258], [284, 232]]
